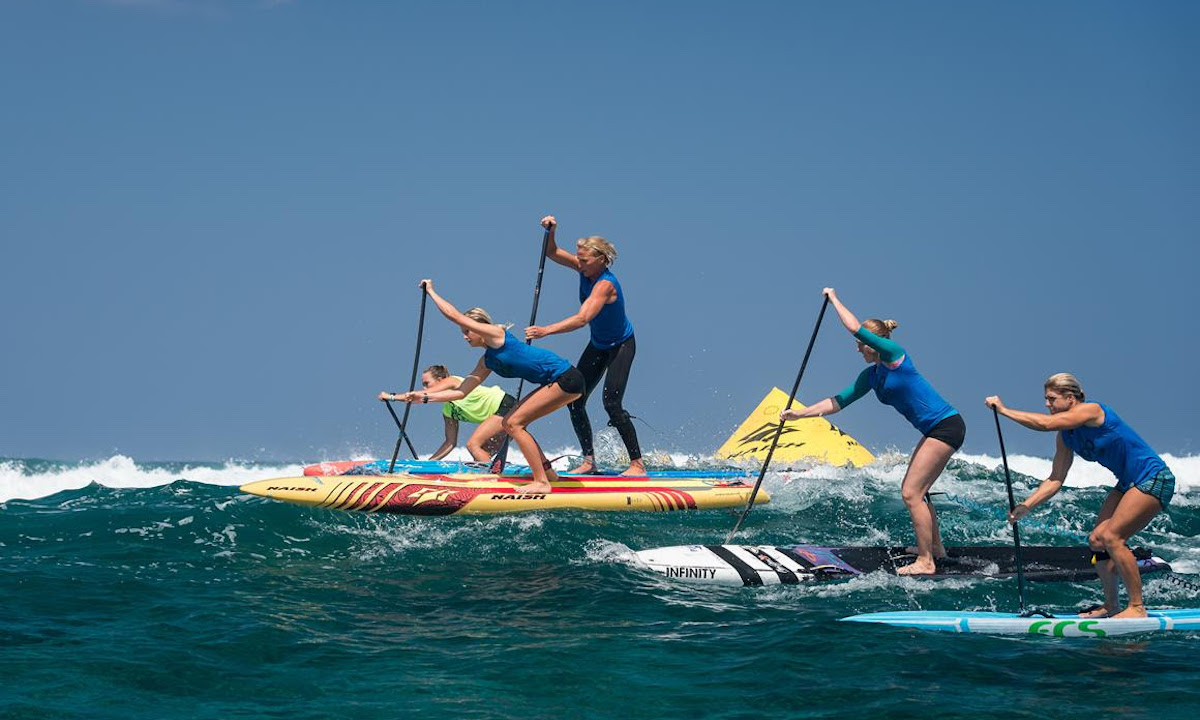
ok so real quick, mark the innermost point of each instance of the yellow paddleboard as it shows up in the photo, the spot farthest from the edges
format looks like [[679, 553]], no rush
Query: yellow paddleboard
[[814, 439], [469, 493]]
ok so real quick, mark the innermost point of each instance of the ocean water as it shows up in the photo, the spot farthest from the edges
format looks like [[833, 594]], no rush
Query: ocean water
[[157, 590]]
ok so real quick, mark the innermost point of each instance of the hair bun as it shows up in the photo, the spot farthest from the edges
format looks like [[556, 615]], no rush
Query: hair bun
[[891, 325]]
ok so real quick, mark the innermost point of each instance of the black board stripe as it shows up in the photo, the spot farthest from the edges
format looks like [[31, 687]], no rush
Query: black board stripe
[[748, 574]]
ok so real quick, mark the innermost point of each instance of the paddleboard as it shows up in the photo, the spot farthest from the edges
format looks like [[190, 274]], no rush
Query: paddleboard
[[444, 467], [770, 565], [1067, 625], [463, 494]]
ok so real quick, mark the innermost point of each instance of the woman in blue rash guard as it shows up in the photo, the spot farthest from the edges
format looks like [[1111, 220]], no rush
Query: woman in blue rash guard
[[896, 382], [561, 383], [611, 348], [1144, 486]]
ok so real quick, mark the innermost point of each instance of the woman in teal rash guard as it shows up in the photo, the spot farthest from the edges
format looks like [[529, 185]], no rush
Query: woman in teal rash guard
[[896, 382], [1144, 482]]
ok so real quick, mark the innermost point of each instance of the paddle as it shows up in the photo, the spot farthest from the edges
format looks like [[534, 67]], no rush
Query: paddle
[[779, 428], [412, 384], [1012, 506], [502, 455]]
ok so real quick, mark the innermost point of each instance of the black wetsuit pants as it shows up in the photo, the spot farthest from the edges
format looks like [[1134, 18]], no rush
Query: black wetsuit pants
[[593, 364]]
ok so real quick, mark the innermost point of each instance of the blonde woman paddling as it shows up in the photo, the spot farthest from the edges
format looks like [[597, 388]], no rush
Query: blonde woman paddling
[[508, 357], [486, 405], [896, 382], [609, 352], [1144, 486]]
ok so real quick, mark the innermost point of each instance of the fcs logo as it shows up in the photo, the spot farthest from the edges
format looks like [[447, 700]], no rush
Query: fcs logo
[[1066, 628], [425, 495]]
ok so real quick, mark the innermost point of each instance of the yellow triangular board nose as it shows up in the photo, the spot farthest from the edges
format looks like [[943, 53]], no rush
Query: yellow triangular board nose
[[809, 439]]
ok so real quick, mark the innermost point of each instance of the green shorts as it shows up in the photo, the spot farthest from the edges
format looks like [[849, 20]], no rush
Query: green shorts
[[1161, 486]]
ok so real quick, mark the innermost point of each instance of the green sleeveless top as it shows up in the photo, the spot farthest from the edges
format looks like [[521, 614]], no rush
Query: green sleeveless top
[[480, 404]]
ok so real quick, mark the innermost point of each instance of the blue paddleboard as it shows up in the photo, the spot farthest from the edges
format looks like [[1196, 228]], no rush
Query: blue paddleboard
[[995, 623]]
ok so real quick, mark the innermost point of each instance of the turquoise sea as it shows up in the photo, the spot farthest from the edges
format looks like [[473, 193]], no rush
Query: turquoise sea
[[157, 590]]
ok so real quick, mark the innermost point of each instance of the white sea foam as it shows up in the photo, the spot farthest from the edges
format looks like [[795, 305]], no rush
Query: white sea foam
[[18, 479], [1090, 474]]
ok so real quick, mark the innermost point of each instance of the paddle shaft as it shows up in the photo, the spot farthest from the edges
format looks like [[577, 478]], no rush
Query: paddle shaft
[[502, 454], [779, 429], [412, 384], [1012, 506]]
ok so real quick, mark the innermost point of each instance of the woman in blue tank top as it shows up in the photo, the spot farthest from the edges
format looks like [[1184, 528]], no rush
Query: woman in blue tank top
[[1095, 432], [508, 357], [896, 382], [612, 346]]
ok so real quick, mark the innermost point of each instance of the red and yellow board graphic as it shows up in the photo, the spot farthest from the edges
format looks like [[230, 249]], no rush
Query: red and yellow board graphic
[[464, 494]]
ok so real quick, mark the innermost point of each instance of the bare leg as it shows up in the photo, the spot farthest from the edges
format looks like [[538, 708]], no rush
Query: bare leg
[[1134, 511], [927, 463], [1104, 568], [486, 439], [539, 404], [939, 550]]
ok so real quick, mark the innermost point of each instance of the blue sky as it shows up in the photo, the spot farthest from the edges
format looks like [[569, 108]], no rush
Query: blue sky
[[214, 214]]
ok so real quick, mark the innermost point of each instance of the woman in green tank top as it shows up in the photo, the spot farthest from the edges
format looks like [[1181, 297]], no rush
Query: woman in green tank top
[[486, 405]]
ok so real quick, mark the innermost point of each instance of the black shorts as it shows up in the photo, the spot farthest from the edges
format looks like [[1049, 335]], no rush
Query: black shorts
[[505, 405], [571, 381], [952, 431]]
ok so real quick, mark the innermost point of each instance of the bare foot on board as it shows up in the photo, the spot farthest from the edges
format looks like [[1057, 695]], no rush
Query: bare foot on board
[[636, 469], [587, 467], [918, 568], [535, 488], [1133, 611]]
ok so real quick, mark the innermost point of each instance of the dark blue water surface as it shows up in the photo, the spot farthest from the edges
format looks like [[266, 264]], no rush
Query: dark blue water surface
[[190, 600]]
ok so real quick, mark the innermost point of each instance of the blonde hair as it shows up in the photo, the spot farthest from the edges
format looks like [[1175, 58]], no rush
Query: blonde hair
[[438, 372], [599, 246], [478, 314], [1065, 384], [880, 328]]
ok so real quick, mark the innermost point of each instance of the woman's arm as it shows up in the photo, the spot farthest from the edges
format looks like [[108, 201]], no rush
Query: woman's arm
[[458, 392], [493, 334], [1090, 414], [602, 293], [828, 406], [451, 439], [553, 251], [1051, 485], [849, 320]]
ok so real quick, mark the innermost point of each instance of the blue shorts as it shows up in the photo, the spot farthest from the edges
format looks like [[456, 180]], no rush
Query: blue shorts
[[1161, 486]]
